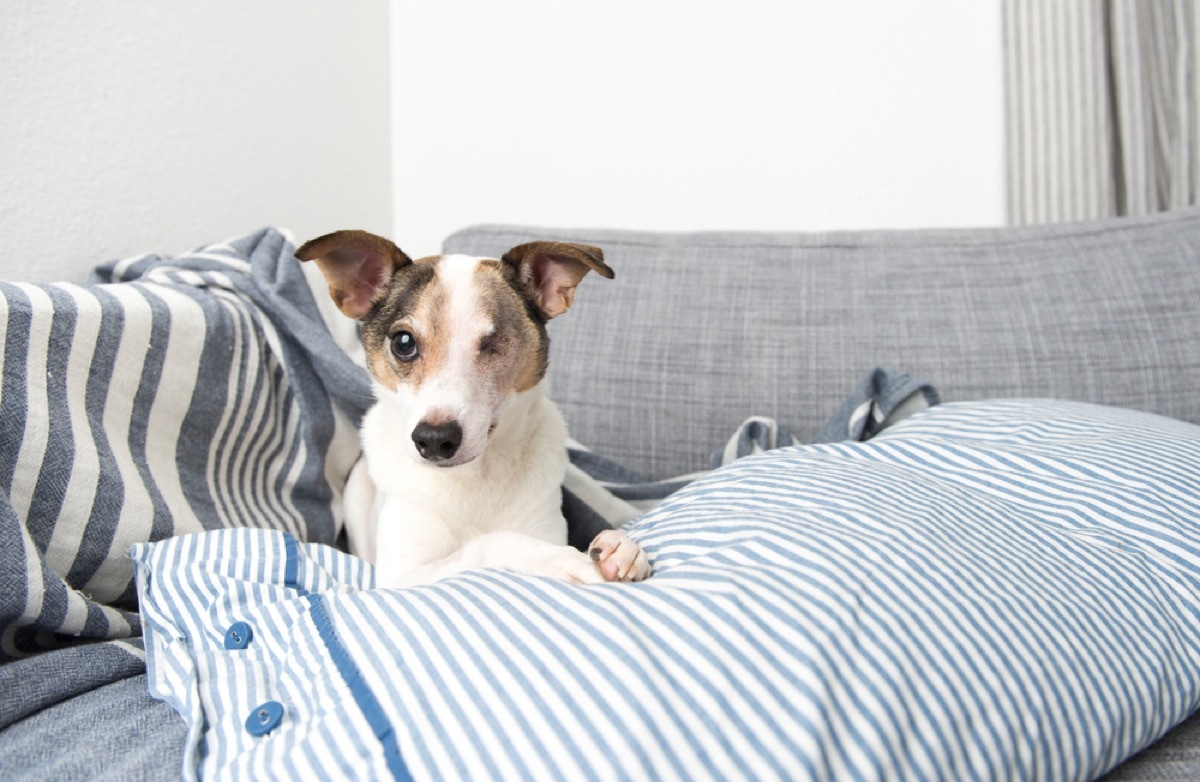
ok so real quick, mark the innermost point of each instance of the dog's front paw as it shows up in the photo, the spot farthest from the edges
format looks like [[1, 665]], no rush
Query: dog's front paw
[[619, 557], [567, 564]]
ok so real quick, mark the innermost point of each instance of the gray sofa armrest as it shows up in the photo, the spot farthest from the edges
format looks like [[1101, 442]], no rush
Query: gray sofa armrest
[[700, 330]]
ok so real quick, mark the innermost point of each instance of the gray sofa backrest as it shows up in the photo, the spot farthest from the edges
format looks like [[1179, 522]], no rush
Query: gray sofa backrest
[[698, 331]]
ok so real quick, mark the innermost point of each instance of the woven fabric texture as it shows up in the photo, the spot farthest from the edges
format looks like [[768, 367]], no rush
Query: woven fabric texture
[[699, 331]]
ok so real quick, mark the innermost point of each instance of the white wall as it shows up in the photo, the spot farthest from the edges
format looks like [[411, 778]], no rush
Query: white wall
[[127, 127], [788, 114]]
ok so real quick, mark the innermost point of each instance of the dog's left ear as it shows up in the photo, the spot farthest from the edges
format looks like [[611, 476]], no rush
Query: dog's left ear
[[357, 265], [550, 271]]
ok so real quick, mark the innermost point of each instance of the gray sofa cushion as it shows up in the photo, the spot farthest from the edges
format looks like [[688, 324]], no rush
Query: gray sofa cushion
[[700, 330]]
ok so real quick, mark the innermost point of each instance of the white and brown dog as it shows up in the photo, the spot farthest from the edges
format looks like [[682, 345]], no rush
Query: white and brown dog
[[464, 452]]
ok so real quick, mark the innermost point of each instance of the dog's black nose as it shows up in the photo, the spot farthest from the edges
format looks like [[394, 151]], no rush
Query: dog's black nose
[[437, 442]]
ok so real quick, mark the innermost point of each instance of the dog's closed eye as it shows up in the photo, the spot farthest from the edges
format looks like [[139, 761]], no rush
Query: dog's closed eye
[[493, 344]]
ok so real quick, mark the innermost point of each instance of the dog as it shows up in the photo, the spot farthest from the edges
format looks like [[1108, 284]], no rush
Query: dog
[[464, 453]]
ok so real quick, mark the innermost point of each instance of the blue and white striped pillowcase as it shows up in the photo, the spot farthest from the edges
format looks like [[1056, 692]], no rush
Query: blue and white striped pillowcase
[[166, 403], [984, 591]]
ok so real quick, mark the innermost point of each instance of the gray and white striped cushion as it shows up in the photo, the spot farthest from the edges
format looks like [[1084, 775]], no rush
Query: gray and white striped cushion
[[988, 590], [183, 394]]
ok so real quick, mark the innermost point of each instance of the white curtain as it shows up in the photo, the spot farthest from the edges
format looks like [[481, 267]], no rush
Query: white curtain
[[1102, 107]]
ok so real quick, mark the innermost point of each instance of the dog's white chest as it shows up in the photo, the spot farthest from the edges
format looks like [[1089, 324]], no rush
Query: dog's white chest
[[425, 512]]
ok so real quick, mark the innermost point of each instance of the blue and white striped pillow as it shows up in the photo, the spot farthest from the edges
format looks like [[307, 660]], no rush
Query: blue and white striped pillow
[[184, 394], [993, 590]]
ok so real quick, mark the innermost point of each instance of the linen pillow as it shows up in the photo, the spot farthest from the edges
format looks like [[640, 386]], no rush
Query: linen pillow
[[172, 396], [991, 590]]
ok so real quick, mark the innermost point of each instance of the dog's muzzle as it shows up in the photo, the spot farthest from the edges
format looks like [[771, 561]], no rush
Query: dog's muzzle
[[437, 442]]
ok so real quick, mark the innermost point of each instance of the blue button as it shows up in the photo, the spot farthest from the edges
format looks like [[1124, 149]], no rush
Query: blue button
[[238, 636], [264, 718]]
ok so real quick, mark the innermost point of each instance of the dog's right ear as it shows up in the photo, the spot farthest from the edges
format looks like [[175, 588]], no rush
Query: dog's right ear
[[357, 265]]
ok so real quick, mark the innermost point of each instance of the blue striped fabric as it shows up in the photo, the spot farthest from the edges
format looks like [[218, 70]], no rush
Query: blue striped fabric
[[173, 395], [984, 591]]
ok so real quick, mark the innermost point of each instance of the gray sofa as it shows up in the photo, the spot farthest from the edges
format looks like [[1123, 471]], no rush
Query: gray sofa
[[700, 330], [656, 368]]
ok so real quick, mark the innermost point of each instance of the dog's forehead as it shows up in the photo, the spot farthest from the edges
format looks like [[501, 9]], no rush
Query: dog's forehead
[[459, 273], [449, 264], [474, 285], [461, 286]]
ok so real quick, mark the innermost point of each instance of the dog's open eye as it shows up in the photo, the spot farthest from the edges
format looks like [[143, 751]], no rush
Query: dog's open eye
[[404, 346]]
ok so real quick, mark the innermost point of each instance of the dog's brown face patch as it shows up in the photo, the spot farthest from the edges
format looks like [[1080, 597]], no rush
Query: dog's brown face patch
[[518, 341], [410, 292], [462, 323]]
